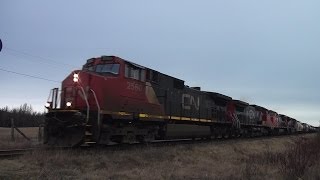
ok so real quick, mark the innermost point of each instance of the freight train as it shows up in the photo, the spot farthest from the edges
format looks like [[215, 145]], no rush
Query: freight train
[[112, 100]]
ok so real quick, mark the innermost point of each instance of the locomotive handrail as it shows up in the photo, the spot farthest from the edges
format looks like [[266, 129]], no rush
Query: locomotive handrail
[[98, 106], [53, 99], [88, 106]]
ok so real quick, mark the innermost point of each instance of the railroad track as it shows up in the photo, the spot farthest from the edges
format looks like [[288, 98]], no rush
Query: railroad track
[[14, 152], [177, 142], [160, 143]]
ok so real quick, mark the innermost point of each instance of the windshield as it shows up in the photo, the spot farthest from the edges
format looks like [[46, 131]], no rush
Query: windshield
[[108, 68]]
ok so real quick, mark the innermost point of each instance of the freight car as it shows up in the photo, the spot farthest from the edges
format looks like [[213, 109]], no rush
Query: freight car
[[115, 100]]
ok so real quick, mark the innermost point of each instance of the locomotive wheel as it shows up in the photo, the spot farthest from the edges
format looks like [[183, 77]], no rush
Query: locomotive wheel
[[130, 138], [150, 136], [226, 135], [141, 139], [246, 133], [218, 133], [117, 139], [238, 135]]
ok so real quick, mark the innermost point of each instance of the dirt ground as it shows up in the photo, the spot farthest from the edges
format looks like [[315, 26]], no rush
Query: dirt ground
[[231, 159]]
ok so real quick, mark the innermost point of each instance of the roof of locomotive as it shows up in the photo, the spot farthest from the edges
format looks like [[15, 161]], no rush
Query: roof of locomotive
[[240, 103], [216, 95], [259, 107], [282, 115], [143, 67], [270, 111], [116, 58]]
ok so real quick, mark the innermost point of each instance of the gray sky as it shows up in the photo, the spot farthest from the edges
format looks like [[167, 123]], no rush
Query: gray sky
[[263, 52]]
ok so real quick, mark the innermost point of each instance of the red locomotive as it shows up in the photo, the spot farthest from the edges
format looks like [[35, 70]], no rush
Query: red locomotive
[[114, 100]]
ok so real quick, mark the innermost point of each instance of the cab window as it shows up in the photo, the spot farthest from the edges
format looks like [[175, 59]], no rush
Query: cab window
[[135, 73], [88, 67], [152, 76], [91, 68], [108, 68]]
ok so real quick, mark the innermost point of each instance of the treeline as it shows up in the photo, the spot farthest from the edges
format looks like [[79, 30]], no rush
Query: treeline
[[23, 116]]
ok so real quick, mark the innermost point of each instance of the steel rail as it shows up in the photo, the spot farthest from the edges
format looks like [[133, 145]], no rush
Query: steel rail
[[10, 153], [15, 152]]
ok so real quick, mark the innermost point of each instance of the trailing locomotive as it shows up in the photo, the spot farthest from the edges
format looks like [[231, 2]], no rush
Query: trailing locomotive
[[114, 100]]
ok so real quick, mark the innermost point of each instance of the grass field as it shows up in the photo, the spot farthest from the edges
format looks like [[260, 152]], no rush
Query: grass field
[[20, 141], [245, 159]]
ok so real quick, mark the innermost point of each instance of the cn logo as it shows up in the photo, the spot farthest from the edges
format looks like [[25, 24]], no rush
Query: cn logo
[[251, 114], [189, 101]]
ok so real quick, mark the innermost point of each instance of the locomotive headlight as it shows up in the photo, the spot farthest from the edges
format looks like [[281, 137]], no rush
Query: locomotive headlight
[[75, 77], [68, 104]]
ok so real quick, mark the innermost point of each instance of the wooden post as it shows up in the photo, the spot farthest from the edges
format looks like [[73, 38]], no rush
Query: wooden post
[[40, 133], [12, 129]]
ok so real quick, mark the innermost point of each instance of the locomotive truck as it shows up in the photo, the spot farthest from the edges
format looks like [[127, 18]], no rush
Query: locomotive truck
[[112, 100]]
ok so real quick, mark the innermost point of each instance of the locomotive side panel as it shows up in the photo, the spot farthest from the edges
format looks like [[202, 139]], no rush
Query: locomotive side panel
[[180, 102], [253, 116]]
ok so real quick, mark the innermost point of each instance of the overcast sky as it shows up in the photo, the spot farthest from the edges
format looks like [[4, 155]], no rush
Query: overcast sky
[[262, 52]]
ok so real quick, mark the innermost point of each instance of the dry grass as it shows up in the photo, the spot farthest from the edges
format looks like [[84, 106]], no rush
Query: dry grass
[[245, 159], [299, 160], [20, 142]]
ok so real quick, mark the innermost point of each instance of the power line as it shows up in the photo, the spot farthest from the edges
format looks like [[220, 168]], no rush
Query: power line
[[27, 75], [39, 57], [20, 58]]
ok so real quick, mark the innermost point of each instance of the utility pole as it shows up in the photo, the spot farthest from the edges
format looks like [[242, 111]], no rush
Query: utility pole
[[12, 129]]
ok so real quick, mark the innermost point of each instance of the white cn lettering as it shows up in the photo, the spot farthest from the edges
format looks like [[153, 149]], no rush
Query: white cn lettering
[[188, 101], [196, 104]]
